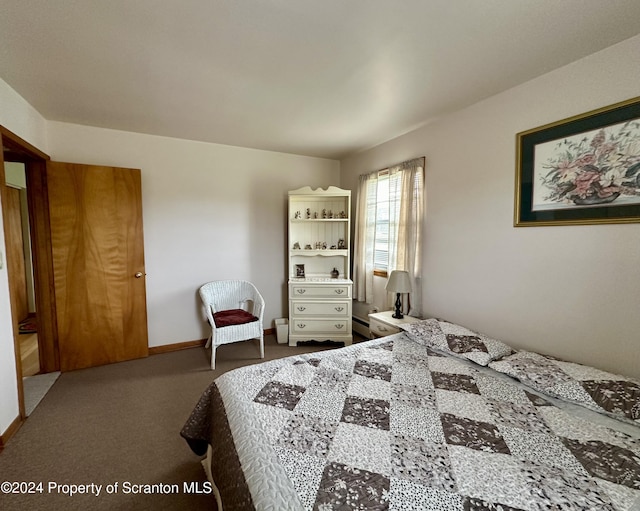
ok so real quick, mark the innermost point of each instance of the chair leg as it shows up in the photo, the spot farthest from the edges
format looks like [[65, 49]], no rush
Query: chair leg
[[262, 345], [213, 356], [208, 341]]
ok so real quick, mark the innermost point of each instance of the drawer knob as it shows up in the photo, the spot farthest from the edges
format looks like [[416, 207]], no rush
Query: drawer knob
[[339, 309], [339, 326], [300, 308], [301, 325], [301, 291], [339, 291]]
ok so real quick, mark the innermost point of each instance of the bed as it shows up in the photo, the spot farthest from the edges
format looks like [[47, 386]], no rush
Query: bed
[[437, 417]]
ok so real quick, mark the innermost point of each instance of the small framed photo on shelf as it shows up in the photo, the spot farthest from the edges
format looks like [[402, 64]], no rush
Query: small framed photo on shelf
[[300, 271]]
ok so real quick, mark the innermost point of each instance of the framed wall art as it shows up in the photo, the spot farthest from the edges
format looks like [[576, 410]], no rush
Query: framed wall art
[[581, 170]]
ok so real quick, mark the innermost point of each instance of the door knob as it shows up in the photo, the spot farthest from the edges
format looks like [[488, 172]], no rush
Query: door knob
[[138, 275]]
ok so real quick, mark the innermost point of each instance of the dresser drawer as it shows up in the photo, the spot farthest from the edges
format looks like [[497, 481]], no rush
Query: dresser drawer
[[320, 291], [379, 329], [305, 308], [323, 327]]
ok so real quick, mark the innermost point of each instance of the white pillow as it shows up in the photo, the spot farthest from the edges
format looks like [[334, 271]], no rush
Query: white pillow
[[611, 394], [457, 340]]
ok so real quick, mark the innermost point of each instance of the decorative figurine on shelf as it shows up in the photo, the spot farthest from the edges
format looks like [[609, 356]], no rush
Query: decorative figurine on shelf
[[333, 247], [296, 246], [308, 212], [330, 214], [307, 247], [343, 214], [324, 213], [315, 214], [297, 215], [341, 244], [324, 245], [335, 273], [300, 271]]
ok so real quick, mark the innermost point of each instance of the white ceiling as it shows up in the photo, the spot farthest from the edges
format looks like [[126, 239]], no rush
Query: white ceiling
[[313, 77]]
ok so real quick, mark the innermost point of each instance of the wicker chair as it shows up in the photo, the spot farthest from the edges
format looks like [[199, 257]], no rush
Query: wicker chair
[[234, 310]]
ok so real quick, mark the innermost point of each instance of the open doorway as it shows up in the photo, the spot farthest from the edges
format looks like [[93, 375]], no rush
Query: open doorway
[[25, 215], [21, 275], [18, 241]]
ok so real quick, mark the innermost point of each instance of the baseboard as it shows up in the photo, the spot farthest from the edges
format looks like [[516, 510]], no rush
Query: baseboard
[[168, 348], [10, 431]]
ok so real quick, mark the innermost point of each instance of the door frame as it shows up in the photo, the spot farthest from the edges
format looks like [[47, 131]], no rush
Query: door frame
[[16, 149]]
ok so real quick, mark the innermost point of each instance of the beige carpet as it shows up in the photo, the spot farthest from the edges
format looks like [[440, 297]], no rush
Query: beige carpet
[[120, 423]]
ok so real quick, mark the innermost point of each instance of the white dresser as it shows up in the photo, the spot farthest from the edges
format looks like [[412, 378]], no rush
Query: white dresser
[[320, 310], [319, 248]]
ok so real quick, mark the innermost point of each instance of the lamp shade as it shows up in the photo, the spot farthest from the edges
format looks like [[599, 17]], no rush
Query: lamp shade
[[399, 282]]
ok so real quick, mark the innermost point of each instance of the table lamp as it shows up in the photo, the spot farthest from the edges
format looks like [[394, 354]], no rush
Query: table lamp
[[398, 282]]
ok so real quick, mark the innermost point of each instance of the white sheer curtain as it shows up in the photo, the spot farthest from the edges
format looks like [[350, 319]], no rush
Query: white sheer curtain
[[405, 229], [406, 213], [365, 232]]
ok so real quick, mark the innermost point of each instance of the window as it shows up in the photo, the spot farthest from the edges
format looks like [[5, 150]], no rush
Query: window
[[388, 229], [383, 205], [380, 202]]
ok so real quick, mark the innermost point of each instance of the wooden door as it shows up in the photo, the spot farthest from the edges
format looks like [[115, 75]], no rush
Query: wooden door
[[98, 264], [15, 254]]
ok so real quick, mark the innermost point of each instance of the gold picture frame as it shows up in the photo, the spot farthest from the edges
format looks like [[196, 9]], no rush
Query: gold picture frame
[[581, 170]]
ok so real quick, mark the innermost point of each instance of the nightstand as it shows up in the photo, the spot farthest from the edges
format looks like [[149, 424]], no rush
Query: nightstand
[[382, 323]]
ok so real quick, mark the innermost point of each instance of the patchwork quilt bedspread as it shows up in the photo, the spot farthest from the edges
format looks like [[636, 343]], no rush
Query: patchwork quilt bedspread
[[393, 424]]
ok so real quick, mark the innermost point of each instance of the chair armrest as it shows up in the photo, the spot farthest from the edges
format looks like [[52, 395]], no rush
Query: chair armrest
[[208, 310], [258, 304]]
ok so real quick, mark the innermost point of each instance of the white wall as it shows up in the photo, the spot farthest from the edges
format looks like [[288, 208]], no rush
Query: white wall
[[570, 291], [210, 212], [22, 119]]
